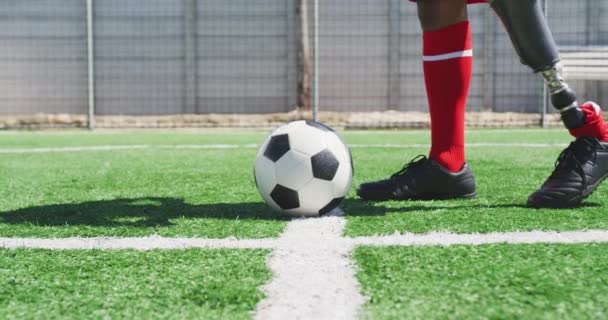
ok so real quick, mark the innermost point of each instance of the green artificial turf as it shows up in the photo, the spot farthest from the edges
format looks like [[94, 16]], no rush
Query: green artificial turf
[[211, 192], [170, 284], [45, 139], [202, 193], [505, 177], [472, 136], [485, 282]]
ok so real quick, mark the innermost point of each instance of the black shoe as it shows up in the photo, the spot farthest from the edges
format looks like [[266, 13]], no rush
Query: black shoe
[[421, 179], [579, 169]]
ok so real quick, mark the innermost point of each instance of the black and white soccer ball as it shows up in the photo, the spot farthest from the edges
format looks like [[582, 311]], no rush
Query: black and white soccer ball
[[303, 168]]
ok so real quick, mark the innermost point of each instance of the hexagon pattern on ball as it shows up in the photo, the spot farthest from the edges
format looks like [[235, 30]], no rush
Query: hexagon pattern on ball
[[303, 168], [313, 196], [324, 165], [343, 177], [306, 139], [277, 147], [266, 167], [286, 198], [293, 170], [264, 174]]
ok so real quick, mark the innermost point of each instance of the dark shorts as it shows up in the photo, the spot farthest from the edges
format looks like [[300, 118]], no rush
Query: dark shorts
[[468, 1]]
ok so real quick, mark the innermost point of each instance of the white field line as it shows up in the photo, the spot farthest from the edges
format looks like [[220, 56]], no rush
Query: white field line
[[125, 147], [447, 239], [146, 243], [237, 131], [468, 131], [471, 145], [251, 146], [313, 275], [408, 239]]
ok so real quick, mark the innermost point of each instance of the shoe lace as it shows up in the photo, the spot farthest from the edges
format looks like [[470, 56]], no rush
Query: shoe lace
[[567, 158], [418, 160]]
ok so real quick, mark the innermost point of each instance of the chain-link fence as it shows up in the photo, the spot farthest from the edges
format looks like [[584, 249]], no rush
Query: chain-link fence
[[200, 57]]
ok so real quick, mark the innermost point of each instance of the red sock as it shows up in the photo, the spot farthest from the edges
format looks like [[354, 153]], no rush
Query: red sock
[[448, 62], [594, 123]]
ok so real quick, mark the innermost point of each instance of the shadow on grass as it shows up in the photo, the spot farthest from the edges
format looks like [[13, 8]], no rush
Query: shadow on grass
[[359, 208], [138, 212], [156, 211]]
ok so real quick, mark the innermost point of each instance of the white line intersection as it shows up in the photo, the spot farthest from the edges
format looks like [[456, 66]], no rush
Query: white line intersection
[[313, 273]]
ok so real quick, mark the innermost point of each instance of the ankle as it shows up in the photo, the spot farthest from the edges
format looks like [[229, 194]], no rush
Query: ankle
[[594, 126], [451, 161]]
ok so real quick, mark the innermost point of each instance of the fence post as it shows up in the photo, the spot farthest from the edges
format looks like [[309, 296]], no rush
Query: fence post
[[593, 19], [489, 62], [291, 77], [190, 57], [593, 31], [90, 66], [545, 104], [394, 57], [304, 63], [315, 55]]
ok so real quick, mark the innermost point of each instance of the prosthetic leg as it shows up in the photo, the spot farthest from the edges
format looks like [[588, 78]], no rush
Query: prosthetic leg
[[583, 165], [534, 43]]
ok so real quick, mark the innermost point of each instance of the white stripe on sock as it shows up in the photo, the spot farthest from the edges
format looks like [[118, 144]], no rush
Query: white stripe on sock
[[448, 56]]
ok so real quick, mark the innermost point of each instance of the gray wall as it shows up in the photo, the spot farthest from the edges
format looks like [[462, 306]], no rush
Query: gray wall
[[167, 56], [139, 56], [200, 56], [364, 43], [246, 56], [43, 65]]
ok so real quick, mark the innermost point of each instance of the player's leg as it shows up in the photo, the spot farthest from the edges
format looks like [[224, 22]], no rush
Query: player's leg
[[529, 32], [447, 59], [584, 164]]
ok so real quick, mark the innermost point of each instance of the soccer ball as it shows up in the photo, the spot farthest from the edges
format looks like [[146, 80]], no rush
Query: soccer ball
[[303, 168]]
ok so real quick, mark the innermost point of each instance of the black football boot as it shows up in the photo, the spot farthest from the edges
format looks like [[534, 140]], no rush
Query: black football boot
[[579, 169], [421, 179]]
